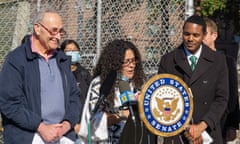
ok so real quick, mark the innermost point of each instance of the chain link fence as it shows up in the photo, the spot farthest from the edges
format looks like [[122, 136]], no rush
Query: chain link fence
[[153, 25]]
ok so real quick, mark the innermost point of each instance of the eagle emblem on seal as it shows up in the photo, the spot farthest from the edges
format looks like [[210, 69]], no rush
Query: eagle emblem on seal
[[166, 108], [165, 105]]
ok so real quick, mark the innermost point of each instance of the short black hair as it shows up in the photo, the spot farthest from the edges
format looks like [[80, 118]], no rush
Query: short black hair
[[196, 20], [69, 41]]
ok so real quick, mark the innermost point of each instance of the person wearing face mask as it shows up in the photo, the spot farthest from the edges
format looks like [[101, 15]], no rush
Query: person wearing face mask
[[82, 75]]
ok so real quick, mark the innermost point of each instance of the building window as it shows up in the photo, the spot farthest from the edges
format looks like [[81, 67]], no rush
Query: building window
[[152, 30], [136, 27], [89, 4], [151, 53]]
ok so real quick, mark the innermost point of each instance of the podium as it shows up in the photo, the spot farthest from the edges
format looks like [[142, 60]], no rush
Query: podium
[[136, 133]]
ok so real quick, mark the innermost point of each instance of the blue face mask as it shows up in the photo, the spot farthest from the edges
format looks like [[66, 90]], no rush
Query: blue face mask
[[75, 56], [122, 77]]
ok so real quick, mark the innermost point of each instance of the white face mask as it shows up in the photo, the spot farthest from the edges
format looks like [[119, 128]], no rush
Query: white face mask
[[75, 56]]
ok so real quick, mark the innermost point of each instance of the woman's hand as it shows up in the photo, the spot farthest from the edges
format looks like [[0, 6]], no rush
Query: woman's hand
[[116, 118], [76, 128]]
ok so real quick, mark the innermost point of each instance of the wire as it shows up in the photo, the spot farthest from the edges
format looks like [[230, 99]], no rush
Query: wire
[[135, 126], [140, 142]]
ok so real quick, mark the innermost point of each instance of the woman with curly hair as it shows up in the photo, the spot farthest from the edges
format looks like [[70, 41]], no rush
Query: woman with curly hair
[[124, 58]]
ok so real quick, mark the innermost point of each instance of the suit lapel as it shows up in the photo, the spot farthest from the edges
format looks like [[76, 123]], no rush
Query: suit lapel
[[204, 63], [182, 62]]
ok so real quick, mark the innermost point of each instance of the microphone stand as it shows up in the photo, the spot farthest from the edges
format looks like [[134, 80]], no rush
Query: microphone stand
[[134, 123], [89, 132], [141, 123]]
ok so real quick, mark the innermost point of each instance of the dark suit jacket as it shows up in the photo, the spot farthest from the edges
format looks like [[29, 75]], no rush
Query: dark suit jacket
[[208, 83], [83, 78], [232, 115]]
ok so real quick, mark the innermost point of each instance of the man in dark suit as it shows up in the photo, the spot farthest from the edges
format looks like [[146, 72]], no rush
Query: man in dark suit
[[230, 119], [205, 72]]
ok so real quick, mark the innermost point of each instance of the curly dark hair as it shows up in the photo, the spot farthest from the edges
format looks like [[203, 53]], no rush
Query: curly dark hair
[[112, 57]]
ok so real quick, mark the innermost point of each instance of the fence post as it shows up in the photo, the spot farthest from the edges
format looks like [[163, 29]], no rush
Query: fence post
[[189, 8], [99, 19]]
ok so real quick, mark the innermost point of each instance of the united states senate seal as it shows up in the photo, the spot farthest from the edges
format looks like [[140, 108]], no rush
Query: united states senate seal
[[165, 105]]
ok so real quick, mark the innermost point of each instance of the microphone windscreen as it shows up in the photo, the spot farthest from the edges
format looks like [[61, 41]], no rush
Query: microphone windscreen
[[108, 83], [127, 97], [124, 86]]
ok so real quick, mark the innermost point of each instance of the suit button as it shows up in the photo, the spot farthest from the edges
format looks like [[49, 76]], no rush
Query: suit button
[[205, 102], [205, 82]]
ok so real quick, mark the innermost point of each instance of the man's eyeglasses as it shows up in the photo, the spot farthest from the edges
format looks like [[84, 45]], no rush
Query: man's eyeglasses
[[129, 61], [54, 31]]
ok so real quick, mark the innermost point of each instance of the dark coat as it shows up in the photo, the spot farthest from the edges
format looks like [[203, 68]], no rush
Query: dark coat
[[208, 83], [83, 78], [231, 117], [20, 101]]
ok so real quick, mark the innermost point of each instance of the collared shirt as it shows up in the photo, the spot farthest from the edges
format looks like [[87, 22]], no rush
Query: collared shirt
[[35, 50], [52, 95], [197, 54]]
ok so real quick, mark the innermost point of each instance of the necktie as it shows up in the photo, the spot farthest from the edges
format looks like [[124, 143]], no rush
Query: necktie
[[193, 60]]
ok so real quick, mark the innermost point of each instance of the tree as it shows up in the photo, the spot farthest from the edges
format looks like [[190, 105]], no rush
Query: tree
[[208, 7], [225, 12]]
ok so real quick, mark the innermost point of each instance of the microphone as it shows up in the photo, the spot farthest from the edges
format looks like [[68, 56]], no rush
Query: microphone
[[105, 89], [127, 97]]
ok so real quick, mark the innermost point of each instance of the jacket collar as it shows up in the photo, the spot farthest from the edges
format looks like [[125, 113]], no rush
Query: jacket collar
[[60, 56], [205, 61]]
